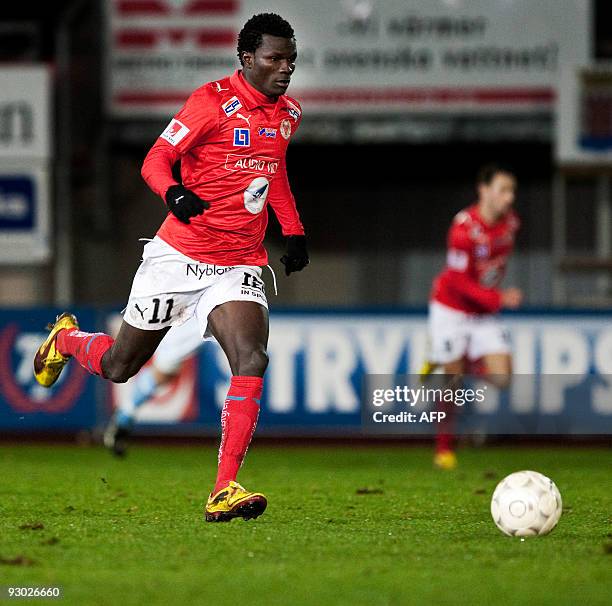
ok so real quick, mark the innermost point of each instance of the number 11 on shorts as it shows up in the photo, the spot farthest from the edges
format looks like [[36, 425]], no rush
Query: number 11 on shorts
[[156, 305]]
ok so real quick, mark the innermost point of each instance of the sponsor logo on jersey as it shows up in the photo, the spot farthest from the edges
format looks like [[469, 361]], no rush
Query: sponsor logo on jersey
[[293, 111], [200, 270], [175, 132], [269, 133], [231, 107], [253, 286], [285, 129], [457, 259], [247, 119], [219, 89], [251, 164], [255, 195], [242, 137]]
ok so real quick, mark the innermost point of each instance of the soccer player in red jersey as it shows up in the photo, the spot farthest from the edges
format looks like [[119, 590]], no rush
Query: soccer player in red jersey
[[206, 259], [463, 329]]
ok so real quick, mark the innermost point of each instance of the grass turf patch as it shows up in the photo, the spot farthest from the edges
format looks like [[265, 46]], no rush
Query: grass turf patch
[[366, 525]]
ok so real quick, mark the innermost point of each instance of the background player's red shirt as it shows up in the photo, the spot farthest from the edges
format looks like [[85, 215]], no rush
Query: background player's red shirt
[[232, 141], [476, 262]]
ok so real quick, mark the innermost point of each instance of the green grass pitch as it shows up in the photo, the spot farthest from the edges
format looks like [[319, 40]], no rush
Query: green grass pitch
[[366, 525]]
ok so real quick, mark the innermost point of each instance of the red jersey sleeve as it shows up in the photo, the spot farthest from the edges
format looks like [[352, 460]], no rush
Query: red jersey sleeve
[[283, 203], [281, 199], [195, 122], [460, 271]]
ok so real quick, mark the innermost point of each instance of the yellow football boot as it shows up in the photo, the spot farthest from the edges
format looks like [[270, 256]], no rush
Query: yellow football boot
[[427, 369], [234, 501], [445, 459], [48, 361]]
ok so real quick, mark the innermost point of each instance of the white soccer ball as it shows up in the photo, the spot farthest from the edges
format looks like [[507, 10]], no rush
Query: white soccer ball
[[526, 504]]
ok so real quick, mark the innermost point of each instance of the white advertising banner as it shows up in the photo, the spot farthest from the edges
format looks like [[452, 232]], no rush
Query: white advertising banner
[[25, 154], [354, 55], [25, 109]]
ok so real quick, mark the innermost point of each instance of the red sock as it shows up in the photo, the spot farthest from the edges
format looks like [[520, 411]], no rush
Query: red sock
[[477, 368], [445, 435], [445, 442], [87, 347], [238, 421]]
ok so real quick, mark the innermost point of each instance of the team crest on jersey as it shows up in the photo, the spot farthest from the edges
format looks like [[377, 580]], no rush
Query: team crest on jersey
[[175, 132], [285, 129], [457, 259], [231, 107], [481, 251], [242, 137]]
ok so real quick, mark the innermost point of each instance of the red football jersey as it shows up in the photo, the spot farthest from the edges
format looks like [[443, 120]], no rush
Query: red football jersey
[[232, 141], [476, 262]]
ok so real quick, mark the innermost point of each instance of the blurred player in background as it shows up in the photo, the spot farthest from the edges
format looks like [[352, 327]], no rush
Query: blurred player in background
[[178, 345], [465, 334], [206, 259]]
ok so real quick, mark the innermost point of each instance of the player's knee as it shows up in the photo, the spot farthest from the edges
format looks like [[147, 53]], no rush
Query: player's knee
[[253, 363], [119, 372]]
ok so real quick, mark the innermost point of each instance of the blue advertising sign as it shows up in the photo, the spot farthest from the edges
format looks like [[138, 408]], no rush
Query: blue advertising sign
[[319, 381], [24, 214], [17, 203]]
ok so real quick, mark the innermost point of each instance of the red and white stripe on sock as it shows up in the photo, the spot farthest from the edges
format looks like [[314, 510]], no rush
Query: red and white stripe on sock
[[86, 347]]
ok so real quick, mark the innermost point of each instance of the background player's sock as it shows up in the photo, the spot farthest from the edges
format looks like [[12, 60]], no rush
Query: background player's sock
[[445, 434], [477, 368], [238, 421], [445, 442], [87, 347]]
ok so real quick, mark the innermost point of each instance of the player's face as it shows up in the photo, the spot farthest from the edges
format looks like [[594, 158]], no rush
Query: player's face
[[269, 68], [499, 194]]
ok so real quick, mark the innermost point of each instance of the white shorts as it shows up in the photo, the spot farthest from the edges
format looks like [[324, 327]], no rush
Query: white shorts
[[454, 334], [169, 288]]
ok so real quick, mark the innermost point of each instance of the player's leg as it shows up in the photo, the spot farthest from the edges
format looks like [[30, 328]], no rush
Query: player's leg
[[114, 359], [241, 328], [498, 369], [121, 424], [444, 454], [180, 343], [490, 345], [161, 296], [449, 339], [132, 348]]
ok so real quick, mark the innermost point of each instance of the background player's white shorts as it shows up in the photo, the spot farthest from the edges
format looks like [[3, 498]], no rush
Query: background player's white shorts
[[180, 343], [169, 288], [454, 334]]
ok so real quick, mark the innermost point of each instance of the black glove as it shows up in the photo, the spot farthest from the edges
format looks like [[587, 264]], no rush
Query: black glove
[[184, 204], [296, 258]]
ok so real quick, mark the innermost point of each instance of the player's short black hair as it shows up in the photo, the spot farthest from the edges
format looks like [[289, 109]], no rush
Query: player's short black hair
[[487, 173], [251, 35]]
